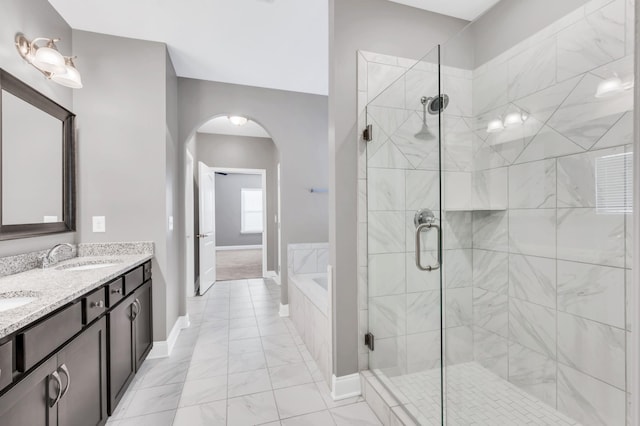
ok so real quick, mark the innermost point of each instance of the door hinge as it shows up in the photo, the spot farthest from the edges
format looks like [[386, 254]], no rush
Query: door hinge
[[368, 341], [367, 134]]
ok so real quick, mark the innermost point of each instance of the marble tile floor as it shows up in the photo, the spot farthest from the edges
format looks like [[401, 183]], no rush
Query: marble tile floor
[[475, 396], [238, 364]]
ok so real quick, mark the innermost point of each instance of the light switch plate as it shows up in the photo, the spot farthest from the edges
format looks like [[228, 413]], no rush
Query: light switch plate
[[170, 223], [99, 224]]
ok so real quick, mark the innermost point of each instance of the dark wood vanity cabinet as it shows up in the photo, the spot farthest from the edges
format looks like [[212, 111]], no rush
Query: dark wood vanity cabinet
[[121, 350], [130, 340], [81, 382], [143, 324], [69, 389]]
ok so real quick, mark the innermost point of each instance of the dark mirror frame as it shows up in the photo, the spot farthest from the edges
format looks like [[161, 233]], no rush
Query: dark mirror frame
[[28, 94]]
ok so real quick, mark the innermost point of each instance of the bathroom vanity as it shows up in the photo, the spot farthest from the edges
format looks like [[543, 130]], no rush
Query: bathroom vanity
[[68, 356]]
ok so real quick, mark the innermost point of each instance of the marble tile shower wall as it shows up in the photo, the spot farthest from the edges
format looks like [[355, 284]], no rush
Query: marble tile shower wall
[[398, 174], [550, 272], [536, 278]]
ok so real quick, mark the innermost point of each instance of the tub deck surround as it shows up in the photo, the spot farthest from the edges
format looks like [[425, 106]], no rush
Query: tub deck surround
[[56, 287]]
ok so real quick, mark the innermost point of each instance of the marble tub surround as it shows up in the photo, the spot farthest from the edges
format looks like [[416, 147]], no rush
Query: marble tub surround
[[115, 249], [308, 258], [56, 286], [313, 326], [309, 302]]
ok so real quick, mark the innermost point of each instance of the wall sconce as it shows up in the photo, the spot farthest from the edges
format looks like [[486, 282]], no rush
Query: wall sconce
[[43, 54]]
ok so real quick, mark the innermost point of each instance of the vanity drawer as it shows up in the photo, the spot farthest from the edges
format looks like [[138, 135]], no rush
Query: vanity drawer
[[39, 341], [133, 279], [147, 271], [93, 305], [115, 291], [6, 364]]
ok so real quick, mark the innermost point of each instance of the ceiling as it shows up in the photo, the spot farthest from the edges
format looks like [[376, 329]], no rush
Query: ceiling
[[222, 126], [463, 9], [279, 44]]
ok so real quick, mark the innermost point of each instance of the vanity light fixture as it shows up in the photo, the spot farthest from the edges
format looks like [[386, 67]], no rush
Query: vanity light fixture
[[238, 120], [48, 60], [612, 86]]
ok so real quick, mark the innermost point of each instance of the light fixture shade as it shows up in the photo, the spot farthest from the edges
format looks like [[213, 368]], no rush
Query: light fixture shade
[[238, 120], [495, 126], [48, 59], [609, 87], [513, 119], [69, 78]]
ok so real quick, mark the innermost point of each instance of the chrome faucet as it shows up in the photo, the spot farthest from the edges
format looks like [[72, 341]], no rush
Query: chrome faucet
[[47, 260]]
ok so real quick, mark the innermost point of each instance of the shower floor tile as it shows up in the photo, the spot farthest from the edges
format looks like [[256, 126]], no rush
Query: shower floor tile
[[475, 396]]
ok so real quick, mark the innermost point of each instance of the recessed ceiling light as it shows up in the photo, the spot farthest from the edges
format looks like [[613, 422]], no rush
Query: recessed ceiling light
[[238, 120]]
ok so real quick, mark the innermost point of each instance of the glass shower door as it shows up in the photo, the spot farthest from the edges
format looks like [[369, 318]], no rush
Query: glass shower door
[[404, 277]]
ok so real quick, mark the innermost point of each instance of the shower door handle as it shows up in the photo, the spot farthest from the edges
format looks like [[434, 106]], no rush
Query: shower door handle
[[419, 230]]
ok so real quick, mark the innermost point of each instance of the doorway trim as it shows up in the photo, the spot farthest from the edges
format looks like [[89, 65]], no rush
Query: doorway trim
[[189, 251], [263, 174]]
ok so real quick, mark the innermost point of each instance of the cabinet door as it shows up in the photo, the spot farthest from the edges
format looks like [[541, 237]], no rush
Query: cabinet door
[[29, 402], [143, 324], [82, 366], [120, 348]]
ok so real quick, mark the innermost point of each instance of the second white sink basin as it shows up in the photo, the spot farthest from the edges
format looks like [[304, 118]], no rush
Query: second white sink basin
[[12, 301]]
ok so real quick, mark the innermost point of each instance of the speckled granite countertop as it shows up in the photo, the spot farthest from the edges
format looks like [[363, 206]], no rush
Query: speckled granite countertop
[[56, 286]]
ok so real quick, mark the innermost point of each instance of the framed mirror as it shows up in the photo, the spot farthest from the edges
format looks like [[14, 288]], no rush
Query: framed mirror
[[37, 163]]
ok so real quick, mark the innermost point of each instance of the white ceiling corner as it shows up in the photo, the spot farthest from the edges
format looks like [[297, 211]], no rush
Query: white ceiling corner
[[278, 44], [222, 126], [464, 9]]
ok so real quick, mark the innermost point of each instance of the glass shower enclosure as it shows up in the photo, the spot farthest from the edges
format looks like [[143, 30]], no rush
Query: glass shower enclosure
[[498, 225]]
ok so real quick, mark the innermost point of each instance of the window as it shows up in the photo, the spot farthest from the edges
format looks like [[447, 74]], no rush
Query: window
[[251, 211], [614, 184]]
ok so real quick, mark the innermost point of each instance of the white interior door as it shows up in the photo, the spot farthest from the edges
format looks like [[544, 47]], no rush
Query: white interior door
[[189, 227], [207, 222]]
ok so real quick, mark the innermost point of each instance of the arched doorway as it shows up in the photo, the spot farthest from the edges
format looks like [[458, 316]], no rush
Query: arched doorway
[[242, 162]]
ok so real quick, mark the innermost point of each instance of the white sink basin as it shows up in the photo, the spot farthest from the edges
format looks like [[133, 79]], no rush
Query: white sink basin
[[14, 301], [86, 266]]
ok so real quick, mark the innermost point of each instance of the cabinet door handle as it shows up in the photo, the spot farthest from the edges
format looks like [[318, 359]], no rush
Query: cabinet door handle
[[53, 401], [98, 304], [116, 291], [65, 371], [136, 309]]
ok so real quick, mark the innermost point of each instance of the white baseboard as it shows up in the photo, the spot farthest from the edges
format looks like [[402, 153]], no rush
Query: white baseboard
[[274, 276], [163, 348], [227, 248], [344, 387], [284, 310]]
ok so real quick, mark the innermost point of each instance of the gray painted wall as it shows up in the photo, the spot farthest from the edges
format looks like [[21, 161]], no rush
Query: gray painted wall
[[383, 27], [128, 163], [34, 18], [228, 203], [297, 123], [228, 211], [242, 152], [511, 21]]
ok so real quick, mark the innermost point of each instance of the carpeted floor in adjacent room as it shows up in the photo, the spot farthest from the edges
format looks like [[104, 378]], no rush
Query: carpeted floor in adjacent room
[[238, 264]]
